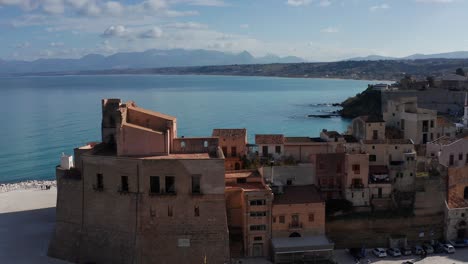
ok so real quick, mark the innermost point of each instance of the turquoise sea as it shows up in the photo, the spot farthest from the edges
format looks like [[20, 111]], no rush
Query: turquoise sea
[[42, 117]]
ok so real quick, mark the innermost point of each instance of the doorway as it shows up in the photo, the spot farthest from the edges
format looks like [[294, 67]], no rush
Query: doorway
[[257, 250]]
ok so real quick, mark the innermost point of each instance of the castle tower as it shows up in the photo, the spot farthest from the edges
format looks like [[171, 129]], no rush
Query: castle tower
[[465, 113]]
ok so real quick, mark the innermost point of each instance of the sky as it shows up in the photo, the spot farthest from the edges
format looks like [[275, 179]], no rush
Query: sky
[[316, 30]]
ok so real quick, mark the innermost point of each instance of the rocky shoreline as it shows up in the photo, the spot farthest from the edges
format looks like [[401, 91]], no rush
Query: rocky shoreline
[[27, 185]]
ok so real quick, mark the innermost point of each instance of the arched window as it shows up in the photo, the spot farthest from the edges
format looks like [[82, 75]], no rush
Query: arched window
[[295, 234], [465, 193]]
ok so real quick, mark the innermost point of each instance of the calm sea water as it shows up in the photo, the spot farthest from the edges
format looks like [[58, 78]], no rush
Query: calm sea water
[[42, 117]]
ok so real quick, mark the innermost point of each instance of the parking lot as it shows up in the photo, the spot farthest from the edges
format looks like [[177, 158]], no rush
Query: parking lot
[[460, 256]]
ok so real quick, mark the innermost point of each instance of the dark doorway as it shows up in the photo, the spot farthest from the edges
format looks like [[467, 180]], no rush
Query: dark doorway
[[380, 192], [295, 234]]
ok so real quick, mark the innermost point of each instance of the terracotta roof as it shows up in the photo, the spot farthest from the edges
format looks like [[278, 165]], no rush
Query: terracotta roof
[[229, 132], [242, 174], [248, 186], [442, 121], [302, 140], [332, 133], [454, 201], [298, 195], [371, 119], [388, 141], [269, 139], [444, 140]]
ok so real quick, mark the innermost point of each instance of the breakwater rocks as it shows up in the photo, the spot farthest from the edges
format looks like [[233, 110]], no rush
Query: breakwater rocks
[[27, 185]]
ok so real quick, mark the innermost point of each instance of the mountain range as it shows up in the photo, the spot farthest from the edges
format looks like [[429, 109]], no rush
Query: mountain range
[[446, 55], [137, 60]]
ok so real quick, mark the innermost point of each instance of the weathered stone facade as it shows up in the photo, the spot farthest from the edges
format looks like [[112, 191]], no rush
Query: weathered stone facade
[[143, 209]]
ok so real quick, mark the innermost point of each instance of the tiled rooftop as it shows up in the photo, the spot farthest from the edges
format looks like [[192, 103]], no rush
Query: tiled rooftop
[[229, 132], [302, 140], [269, 139], [298, 195]]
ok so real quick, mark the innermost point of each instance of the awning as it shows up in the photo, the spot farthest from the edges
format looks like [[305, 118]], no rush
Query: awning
[[285, 245]]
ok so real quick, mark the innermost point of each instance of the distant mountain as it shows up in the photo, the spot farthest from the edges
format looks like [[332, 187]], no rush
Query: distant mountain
[[138, 60], [446, 55], [371, 58]]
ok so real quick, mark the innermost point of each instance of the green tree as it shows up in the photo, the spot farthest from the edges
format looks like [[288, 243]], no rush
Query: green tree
[[460, 71]]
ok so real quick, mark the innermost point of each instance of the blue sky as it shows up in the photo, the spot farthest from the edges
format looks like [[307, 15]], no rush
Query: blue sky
[[317, 30]]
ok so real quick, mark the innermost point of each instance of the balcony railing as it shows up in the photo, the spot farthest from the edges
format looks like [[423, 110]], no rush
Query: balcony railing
[[297, 225]]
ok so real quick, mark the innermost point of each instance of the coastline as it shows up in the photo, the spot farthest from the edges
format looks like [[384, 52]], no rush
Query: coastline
[[27, 185]]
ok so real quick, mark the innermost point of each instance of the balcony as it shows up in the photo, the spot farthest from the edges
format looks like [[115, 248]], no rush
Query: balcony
[[295, 226], [357, 186]]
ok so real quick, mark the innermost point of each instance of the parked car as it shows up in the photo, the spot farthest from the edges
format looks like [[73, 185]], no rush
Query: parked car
[[406, 251], [448, 248], [394, 252], [459, 243], [428, 248], [417, 250], [379, 252]]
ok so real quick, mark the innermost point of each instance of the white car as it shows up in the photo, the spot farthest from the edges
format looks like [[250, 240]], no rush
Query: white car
[[379, 252], [448, 248]]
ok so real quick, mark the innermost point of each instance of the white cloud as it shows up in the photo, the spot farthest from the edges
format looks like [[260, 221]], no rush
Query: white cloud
[[298, 2], [436, 1], [154, 32], [330, 30], [23, 45], [114, 8], [115, 31], [53, 6], [244, 26], [325, 3], [187, 25], [56, 44], [207, 2], [378, 7]]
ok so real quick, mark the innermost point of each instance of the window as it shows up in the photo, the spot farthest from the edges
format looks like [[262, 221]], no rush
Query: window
[[99, 181], [289, 182], [465, 193], [432, 123], [124, 183], [281, 219], [362, 194], [257, 227], [265, 151], [170, 184], [257, 202], [425, 124], [278, 149], [258, 238], [356, 168], [257, 214], [196, 184], [169, 210], [224, 151], [396, 147], [373, 147], [372, 157], [274, 219], [460, 156], [196, 210], [402, 125], [451, 160], [375, 134], [311, 217], [154, 184], [233, 152]]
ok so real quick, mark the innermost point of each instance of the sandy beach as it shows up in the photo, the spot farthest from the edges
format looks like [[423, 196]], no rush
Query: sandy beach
[[27, 218]]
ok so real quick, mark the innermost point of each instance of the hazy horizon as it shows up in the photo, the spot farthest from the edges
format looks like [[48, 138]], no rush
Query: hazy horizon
[[315, 30]]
